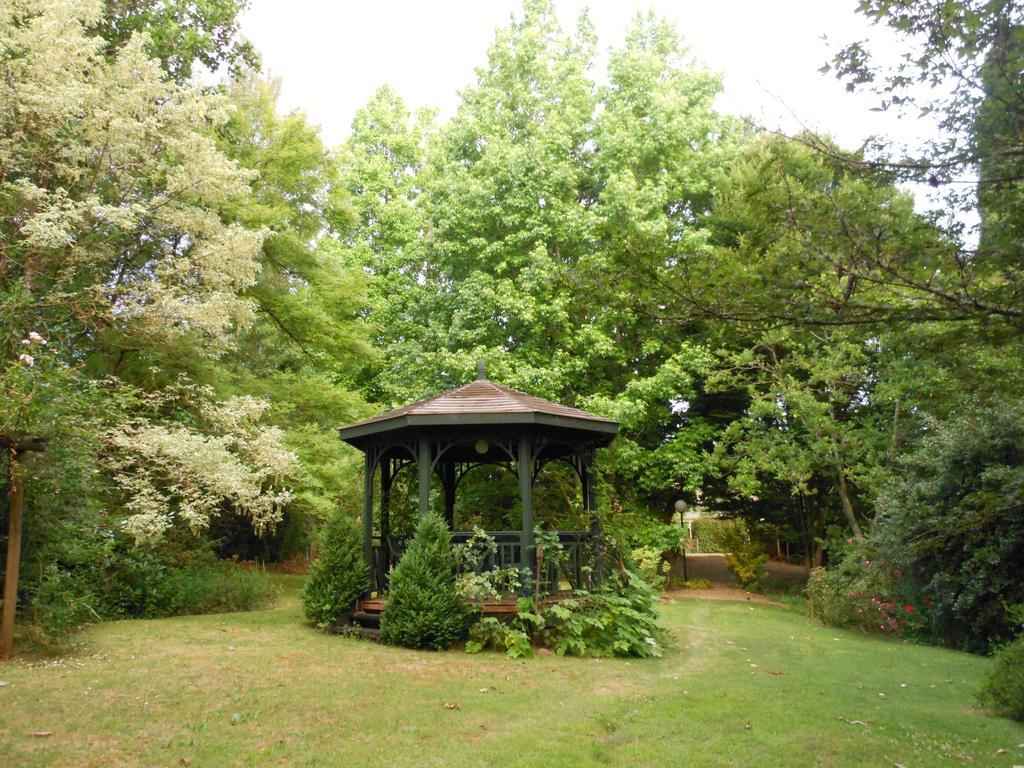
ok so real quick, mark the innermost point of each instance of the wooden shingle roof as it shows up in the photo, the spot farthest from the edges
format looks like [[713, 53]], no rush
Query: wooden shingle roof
[[480, 402]]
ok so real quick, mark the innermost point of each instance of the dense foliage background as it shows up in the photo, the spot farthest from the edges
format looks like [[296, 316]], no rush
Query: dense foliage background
[[196, 292]]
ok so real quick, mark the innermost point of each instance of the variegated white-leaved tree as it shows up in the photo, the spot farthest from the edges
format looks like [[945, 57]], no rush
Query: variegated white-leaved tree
[[110, 183]]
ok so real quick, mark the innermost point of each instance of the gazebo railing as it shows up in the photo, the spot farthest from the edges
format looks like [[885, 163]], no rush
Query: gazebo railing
[[578, 564]]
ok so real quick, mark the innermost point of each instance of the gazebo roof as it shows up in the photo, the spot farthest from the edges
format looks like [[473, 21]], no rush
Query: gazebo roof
[[480, 402]]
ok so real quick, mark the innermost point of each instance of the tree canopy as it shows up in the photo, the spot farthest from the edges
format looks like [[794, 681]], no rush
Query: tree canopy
[[196, 291]]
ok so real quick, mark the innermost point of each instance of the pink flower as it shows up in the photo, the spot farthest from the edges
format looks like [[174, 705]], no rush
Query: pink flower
[[908, 608]]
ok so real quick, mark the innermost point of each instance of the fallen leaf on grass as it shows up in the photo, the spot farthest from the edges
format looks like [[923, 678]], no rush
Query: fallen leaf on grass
[[774, 672], [452, 705], [40, 734], [855, 722]]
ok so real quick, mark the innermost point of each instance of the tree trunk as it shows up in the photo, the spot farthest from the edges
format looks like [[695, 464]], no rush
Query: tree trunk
[[844, 496], [17, 493]]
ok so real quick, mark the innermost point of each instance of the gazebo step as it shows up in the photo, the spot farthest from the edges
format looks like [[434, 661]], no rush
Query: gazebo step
[[372, 604], [369, 610], [366, 619], [369, 633]]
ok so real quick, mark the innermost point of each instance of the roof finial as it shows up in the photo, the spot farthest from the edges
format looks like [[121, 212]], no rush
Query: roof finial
[[481, 371]]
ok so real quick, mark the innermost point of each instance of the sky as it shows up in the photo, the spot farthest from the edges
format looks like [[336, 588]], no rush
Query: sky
[[332, 56]]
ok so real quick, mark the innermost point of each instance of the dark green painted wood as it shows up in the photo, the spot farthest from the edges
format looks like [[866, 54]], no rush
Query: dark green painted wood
[[385, 521], [526, 497], [448, 482], [368, 511], [423, 464]]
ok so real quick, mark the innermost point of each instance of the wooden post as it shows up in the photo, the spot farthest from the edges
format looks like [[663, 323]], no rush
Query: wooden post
[[526, 496], [589, 505], [17, 493], [385, 522], [448, 473], [423, 465], [368, 512]]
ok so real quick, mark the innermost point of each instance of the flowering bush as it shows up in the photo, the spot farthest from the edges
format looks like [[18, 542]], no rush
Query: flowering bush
[[862, 592]]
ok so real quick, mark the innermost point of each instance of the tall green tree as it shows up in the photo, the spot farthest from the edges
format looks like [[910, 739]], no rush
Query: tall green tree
[[508, 234], [181, 34]]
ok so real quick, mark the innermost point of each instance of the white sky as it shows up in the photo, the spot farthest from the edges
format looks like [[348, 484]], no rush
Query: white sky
[[332, 56]]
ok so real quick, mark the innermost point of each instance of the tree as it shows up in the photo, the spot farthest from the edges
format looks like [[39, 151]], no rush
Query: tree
[[339, 576], [953, 521], [424, 608], [510, 235], [961, 68], [816, 421], [111, 244], [181, 33]]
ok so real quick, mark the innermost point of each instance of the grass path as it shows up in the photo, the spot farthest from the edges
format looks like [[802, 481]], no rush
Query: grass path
[[261, 689]]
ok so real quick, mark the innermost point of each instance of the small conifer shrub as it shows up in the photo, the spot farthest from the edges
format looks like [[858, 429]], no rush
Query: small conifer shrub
[[1002, 689], [424, 609], [339, 575]]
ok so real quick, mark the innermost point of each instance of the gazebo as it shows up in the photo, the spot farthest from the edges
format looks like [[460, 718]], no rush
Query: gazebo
[[451, 434]]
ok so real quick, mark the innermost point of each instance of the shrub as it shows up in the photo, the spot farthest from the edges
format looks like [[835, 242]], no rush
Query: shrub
[[864, 592], [711, 533], [472, 581], [652, 565], [424, 609], [339, 575], [119, 580], [219, 587], [62, 604], [1002, 689], [617, 620], [745, 556], [953, 520]]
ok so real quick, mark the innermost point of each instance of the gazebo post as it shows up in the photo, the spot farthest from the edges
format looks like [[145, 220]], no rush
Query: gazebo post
[[385, 520], [368, 512], [448, 482], [525, 469], [587, 483], [423, 465]]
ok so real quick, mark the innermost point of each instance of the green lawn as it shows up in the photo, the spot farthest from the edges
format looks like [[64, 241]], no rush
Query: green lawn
[[745, 685]]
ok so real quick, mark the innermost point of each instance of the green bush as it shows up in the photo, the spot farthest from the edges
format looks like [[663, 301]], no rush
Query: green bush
[[863, 592], [339, 575], [1002, 689], [617, 620], [745, 555], [652, 565], [99, 575], [952, 521], [424, 608], [711, 533], [219, 587]]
